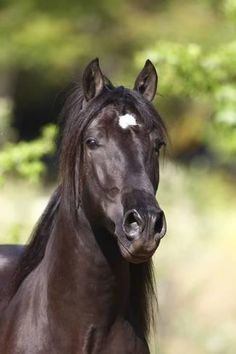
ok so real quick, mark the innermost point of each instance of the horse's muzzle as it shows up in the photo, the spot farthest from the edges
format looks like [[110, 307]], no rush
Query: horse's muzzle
[[143, 232]]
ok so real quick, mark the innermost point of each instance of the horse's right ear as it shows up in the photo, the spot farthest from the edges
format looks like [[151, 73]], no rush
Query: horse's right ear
[[93, 81]]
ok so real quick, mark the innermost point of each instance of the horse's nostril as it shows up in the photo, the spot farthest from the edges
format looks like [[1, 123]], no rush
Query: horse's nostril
[[160, 225], [132, 224]]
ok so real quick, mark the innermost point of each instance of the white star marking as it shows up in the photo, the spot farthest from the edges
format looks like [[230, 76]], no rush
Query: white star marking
[[127, 120]]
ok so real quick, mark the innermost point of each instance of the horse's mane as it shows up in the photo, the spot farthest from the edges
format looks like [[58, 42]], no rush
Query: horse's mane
[[34, 251], [77, 117]]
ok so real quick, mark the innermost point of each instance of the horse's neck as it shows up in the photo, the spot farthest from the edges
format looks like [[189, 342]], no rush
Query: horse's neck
[[86, 274]]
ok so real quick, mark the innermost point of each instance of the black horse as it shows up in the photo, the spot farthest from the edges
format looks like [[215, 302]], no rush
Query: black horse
[[84, 284]]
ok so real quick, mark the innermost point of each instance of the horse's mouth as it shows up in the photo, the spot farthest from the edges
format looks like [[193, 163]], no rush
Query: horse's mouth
[[137, 257]]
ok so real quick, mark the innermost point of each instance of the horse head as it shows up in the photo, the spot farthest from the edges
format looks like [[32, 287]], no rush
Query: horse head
[[119, 162]]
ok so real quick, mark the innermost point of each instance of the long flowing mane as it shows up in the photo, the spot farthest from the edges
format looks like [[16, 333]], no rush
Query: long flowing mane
[[77, 118], [34, 251]]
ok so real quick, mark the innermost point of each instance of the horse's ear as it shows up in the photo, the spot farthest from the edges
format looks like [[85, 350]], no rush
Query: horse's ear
[[93, 80], [146, 82]]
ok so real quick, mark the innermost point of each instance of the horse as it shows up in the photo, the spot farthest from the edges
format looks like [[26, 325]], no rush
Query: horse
[[84, 283]]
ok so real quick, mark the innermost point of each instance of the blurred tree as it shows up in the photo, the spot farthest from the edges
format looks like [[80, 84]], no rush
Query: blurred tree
[[54, 35], [205, 76], [25, 159], [43, 43]]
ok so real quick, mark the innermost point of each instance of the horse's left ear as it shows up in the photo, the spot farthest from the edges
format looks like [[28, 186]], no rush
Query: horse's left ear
[[93, 81], [146, 82]]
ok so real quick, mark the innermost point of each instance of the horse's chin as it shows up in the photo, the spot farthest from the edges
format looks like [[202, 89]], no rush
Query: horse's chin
[[136, 257]]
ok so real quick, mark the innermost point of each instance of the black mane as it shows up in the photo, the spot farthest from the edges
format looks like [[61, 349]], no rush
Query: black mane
[[77, 118], [34, 251]]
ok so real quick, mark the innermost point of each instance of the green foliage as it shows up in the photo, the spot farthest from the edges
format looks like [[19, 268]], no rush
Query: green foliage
[[230, 9], [191, 43], [5, 117], [25, 158], [53, 36], [195, 72], [192, 72]]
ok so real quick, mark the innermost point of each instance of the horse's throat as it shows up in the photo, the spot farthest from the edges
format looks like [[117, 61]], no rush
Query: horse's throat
[[88, 275]]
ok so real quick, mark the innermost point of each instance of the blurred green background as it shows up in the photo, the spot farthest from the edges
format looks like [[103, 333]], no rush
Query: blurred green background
[[44, 45]]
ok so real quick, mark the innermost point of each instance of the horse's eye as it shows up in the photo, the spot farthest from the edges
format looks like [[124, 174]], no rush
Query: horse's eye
[[92, 143]]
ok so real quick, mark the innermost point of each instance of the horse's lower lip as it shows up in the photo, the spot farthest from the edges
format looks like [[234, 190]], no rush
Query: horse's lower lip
[[135, 258]]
